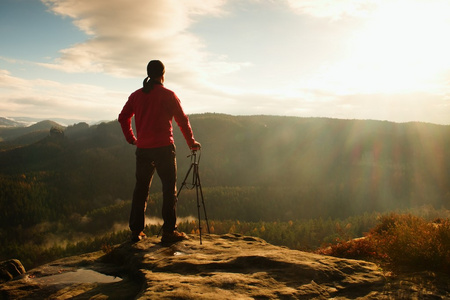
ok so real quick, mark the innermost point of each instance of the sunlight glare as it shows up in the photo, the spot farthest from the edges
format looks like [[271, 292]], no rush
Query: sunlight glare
[[402, 48]]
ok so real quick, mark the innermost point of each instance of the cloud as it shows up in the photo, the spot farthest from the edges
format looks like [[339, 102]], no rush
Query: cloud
[[8, 82], [38, 97], [125, 35], [334, 10]]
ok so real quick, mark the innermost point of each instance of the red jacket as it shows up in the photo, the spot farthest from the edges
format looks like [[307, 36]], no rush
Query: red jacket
[[153, 117]]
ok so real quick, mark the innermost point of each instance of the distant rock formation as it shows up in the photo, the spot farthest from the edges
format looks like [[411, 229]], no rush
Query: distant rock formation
[[223, 267], [56, 132]]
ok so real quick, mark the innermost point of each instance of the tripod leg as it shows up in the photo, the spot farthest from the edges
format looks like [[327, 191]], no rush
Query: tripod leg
[[203, 202], [184, 180], [198, 203]]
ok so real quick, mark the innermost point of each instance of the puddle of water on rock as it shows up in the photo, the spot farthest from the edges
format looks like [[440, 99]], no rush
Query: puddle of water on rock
[[79, 276]]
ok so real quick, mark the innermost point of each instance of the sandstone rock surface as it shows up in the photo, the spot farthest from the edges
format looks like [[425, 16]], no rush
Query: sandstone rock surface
[[223, 267], [10, 269]]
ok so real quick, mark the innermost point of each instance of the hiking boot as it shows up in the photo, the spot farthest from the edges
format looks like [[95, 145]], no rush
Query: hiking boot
[[137, 236], [174, 236]]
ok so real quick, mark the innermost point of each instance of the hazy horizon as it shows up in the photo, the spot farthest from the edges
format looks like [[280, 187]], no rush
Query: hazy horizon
[[68, 122]]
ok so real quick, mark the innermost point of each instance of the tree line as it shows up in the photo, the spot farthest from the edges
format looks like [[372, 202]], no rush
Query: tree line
[[252, 168]]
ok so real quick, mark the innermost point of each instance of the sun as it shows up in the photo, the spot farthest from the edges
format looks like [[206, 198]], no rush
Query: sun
[[403, 47]]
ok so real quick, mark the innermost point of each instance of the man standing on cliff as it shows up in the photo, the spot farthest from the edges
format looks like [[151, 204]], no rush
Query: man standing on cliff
[[154, 107]]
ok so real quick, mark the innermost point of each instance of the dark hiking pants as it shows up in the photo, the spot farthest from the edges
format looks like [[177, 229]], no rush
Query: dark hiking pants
[[164, 162]]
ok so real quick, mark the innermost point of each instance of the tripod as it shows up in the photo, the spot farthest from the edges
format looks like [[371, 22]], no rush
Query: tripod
[[195, 183]]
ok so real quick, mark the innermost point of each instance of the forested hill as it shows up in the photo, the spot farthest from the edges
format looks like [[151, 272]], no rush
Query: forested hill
[[251, 167]]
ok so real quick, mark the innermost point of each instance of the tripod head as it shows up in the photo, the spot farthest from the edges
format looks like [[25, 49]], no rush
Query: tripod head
[[194, 158]]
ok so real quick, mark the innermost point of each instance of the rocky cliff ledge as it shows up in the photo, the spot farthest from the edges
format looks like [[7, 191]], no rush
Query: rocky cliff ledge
[[223, 267]]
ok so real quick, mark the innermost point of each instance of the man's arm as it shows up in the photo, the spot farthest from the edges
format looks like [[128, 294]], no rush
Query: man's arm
[[125, 122], [185, 126]]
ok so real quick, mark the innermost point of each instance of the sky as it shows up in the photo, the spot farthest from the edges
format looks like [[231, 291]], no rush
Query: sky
[[347, 59]]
